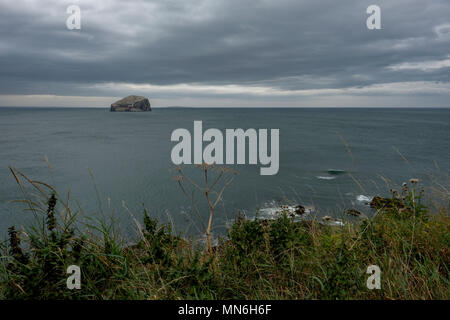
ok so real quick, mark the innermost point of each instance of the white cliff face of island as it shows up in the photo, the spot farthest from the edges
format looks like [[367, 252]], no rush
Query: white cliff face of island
[[131, 104]]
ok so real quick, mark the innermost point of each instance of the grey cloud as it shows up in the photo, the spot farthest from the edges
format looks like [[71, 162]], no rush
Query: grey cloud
[[287, 44]]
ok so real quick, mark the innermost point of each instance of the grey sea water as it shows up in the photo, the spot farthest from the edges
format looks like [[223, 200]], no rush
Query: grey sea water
[[113, 163]]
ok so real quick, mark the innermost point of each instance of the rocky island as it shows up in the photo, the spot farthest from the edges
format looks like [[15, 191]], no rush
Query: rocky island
[[131, 104]]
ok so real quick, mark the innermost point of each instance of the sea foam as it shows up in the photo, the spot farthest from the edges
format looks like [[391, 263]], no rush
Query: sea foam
[[325, 177]]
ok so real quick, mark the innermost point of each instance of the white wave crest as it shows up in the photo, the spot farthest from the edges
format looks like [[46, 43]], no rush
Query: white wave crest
[[363, 198], [325, 177]]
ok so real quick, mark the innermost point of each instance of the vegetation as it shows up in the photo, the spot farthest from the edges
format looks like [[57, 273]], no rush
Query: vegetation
[[284, 258]]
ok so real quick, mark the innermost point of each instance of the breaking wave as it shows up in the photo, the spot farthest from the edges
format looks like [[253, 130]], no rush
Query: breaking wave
[[325, 177], [364, 199], [271, 210]]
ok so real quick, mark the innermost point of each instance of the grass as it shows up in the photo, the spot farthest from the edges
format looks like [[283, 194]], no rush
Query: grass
[[283, 258]]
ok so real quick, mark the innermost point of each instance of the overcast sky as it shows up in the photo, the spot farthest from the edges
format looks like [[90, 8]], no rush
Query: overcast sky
[[226, 53]]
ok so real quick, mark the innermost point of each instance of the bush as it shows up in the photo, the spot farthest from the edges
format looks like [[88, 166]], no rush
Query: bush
[[260, 259]]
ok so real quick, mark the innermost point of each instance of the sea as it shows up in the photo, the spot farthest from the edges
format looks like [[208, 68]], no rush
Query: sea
[[109, 166]]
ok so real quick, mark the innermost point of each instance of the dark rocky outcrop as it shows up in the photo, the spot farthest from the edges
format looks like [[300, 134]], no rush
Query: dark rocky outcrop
[[386, 203], [353, 212], [300, 210], [131, 104]]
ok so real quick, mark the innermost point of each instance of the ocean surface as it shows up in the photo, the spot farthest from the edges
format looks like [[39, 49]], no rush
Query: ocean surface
[[113, 164]]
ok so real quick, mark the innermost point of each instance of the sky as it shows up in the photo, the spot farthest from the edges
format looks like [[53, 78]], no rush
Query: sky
[[226, 53]]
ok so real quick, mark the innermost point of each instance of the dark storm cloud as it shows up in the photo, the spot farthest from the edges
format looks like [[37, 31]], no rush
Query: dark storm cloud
[[284, 44]]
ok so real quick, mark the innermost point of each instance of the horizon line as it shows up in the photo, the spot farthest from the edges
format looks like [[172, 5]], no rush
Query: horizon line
[[243, 107]]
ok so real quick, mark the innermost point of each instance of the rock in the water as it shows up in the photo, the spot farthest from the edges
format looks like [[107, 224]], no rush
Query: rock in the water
[[353, 212], [329, 221], [131, 104], [386, 203], [300, 210]]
